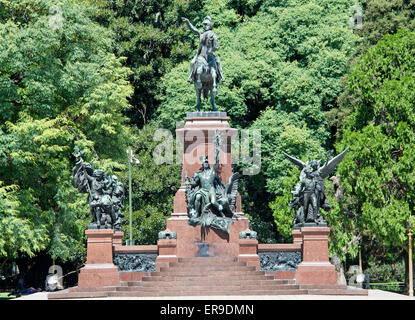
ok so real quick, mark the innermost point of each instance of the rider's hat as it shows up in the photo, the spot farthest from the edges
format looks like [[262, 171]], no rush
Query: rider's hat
[[208, 21]]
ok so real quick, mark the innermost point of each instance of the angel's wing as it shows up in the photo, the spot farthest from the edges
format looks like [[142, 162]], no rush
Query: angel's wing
[[231, 190], [297, 162], [329, 167]]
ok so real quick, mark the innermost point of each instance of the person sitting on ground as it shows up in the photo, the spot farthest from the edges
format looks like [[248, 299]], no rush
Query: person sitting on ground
[[20, 289]]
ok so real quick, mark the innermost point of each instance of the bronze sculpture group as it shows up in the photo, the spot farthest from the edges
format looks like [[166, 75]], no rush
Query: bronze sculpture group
[[209, 202], [105, 194], [309, 194]]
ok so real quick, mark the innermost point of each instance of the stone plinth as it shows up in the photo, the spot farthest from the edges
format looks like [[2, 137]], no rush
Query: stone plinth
[[167, 252], [315, 267], [99, 270], [248, 249], [99, 246]]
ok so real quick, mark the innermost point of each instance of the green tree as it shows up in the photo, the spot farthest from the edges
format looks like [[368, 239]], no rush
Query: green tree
[[61, 86], [378, 174], [379, 18], [19, 233]]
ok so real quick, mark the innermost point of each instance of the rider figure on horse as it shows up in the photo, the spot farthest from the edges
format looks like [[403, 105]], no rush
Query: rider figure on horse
[[208, 43]]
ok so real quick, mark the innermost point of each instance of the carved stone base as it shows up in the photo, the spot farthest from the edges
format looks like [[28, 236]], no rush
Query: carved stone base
[[197, 138]]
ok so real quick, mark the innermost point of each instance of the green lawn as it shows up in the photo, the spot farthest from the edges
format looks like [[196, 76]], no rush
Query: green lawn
[[4, 296]]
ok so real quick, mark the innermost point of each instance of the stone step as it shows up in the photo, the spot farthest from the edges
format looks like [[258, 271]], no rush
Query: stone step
[[212, 287], [207, 293], [84, 293], [210, 273], [222, 267], [93, 289], [202, 269], [207, 282], [208, 259], [322, 286], [206, 263], [211, 278]]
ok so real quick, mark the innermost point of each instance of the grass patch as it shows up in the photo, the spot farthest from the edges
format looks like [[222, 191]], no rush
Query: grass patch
[[5, 296]]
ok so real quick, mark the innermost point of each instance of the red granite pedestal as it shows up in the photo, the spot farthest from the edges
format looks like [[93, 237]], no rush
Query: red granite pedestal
[[99, 270], [197, 138], [315, 267]]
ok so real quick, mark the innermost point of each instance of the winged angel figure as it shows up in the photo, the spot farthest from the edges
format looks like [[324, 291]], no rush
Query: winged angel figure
[[309, 193], [210, 203]]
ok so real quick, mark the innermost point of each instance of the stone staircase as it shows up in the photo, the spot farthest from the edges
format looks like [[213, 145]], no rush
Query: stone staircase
[[204, 276]]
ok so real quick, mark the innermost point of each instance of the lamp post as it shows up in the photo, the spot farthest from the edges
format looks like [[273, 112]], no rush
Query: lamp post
[[130, 161], [410, 274]]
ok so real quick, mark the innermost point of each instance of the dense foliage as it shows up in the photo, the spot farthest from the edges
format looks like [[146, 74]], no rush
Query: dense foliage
[[61, 86], [380, 134]]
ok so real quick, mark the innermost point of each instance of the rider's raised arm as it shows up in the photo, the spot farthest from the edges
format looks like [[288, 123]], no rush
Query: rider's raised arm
[[191, 27]]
